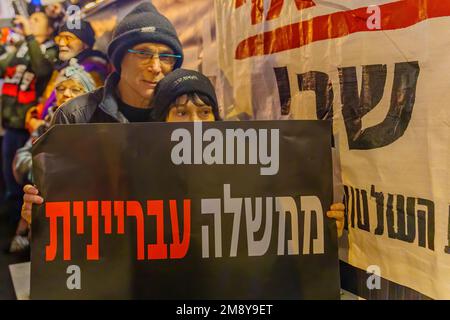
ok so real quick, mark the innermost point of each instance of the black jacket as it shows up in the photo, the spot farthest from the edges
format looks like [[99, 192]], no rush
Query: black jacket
[[99, 106]]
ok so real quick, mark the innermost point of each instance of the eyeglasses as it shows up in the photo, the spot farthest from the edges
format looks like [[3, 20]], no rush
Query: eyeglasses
[[167, 59], [75, 91], [67, 39]]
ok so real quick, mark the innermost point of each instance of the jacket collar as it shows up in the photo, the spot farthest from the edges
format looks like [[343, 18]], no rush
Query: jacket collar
[[109, 103]]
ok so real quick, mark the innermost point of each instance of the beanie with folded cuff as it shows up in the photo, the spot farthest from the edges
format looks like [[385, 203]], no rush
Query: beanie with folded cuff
[[144, 24], [83, 31]]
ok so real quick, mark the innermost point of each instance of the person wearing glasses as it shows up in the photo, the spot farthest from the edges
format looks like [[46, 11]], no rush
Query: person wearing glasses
[[145, 47], [72, 81], [78, 43], [73, 44]]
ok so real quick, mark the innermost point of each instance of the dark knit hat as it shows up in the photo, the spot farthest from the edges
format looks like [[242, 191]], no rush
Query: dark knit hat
[[178, 83], [85, 33], [143, 24]]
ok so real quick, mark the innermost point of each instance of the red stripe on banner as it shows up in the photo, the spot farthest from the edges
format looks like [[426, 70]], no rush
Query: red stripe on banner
[[239, 3], [396, 15], [277, 5], [304, 4], [257, 9]]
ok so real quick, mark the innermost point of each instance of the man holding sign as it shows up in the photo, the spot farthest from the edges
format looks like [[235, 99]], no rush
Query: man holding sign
[[200, 198]]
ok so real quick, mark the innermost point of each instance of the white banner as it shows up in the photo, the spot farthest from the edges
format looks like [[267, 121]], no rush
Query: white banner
[[195, 24], [382, 74]]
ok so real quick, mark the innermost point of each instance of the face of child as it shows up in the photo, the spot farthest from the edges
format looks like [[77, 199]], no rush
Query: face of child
[[67, 90], [186, 110]]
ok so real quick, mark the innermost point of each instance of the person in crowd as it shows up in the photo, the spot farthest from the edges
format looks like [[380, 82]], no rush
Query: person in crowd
[[187, 96], [73, 81], [145, 47], [77, 44], [26, 72], [57, 12]]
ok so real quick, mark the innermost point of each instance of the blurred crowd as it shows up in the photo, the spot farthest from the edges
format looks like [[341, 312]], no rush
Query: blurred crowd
[[46, 59]]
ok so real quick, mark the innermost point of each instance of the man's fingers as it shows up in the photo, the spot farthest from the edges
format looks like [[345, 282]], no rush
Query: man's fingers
[[336, 211], [31, 195], [32, 199], [338, 215], [29, 198], [338, 206], [339, 219], [29, 189]]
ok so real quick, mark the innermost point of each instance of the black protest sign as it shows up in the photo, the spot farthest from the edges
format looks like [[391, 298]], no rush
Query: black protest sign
[[224, 210]]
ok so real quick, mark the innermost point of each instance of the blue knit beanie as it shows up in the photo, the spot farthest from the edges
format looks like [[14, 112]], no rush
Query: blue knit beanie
[[143, 24]]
